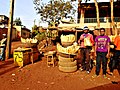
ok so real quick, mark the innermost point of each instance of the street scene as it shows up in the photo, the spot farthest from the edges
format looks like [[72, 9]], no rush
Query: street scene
[[72, 45]]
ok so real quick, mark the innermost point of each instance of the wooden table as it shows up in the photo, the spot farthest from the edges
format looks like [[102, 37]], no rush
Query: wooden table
[[23, 56]]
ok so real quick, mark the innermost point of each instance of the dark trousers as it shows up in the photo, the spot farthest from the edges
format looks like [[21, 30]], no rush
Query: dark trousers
[[101, 57], [85, 58], [114, 61]]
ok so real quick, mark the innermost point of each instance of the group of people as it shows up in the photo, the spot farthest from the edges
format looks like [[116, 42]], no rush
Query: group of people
[[101, 45]]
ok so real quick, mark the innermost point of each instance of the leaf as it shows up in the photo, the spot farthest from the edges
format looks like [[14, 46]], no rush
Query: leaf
[[52, 9]]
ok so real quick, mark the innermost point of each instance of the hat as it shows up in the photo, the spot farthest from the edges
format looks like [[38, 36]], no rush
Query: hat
[[85, 28]]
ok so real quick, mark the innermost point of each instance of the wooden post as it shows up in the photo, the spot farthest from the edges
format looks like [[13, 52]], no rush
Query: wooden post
[[9, 35], [82, 17], [76, 35]]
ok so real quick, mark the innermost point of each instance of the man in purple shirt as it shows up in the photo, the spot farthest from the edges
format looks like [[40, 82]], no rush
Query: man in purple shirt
[[102, 49]]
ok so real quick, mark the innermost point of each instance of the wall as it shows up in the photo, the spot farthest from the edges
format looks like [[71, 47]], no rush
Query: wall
[[23, 32], [5, 31]]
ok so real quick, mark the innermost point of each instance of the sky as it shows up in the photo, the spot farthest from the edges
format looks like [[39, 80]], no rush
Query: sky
[[23, 9]]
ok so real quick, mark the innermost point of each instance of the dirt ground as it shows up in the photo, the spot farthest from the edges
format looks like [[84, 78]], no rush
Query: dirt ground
[[38, 76]]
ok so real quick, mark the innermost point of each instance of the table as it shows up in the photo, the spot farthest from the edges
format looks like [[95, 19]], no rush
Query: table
[[23, 56]]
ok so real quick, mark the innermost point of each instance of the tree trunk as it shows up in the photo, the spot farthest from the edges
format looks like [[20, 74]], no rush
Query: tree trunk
[[81, 11], [82, 16], [97, 13], [112, 19], [114, 29]]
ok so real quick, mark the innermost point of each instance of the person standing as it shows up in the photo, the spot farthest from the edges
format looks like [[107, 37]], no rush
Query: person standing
[[3, 47], [102, 50], [116, 56], [86, 42]]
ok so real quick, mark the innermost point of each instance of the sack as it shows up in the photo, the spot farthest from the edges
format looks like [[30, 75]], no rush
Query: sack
[[87, 42]]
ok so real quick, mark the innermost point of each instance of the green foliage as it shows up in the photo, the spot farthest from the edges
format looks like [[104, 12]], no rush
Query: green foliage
[[35, 30], [54, 9], [35, 27], [41, 36], [18, 22]]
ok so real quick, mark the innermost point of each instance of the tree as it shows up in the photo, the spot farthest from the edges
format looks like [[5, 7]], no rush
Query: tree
[[17, 22], [82, 12], [54, 10], [114, 29], [35, 30], [97, 13], [112, 19]]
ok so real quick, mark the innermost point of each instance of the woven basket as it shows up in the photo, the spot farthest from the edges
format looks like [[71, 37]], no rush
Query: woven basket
[[65, 44], [66, 55]]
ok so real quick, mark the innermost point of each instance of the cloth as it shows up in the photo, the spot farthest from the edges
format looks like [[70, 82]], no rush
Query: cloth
[[2, 49], [2, 54], [102, 43], [3, 41]]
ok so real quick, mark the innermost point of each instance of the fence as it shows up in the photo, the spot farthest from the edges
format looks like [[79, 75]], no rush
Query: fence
[[102, 20]]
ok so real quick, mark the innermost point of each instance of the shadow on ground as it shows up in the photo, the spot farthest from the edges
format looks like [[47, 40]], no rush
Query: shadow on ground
[[111, 86], [6, 66]]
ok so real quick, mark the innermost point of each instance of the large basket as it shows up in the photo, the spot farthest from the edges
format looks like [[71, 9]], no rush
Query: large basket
[[66, 55], [65, 44]]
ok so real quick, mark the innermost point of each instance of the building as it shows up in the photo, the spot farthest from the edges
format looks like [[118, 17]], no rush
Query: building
[[87, 14], [3, 21], [5, 30], [4, 27], [17, 31], [23, 31]]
